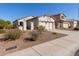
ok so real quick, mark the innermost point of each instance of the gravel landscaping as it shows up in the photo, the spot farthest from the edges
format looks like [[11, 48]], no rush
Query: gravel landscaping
[[22, 42]]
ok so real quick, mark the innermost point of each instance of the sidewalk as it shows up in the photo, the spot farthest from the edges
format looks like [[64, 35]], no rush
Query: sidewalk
[[65, 46]]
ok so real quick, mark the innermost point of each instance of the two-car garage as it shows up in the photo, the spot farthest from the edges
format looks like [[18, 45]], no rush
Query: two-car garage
[[48, 25], [47, 22]]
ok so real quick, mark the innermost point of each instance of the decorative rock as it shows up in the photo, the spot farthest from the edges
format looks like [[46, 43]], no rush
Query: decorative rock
[[10, 48]]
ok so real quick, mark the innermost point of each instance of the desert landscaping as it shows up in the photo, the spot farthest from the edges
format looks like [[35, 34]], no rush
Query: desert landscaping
[[17, 40], [13, 38]]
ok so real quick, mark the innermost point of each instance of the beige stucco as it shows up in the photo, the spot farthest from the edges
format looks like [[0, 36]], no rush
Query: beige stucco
[[58, 21], [45, 21], [75, 24]]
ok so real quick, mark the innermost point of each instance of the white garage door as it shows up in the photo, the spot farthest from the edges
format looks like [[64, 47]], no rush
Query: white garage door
[[49, 26]]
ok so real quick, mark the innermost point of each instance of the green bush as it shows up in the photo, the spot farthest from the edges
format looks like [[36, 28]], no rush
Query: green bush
[[12, 35], [40, 29], [2, 31]]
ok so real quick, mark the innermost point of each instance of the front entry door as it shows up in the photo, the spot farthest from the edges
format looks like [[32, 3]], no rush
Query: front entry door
[[28, 25]]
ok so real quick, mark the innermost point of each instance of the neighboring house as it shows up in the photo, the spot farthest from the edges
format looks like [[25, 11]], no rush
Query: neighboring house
[[50, 22], [77, 24], [61, 22], [30, 23], [70, 24], [66, 24], [59, 18]]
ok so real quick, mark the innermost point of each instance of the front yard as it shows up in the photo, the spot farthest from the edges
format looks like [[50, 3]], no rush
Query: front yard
[[9, 46]]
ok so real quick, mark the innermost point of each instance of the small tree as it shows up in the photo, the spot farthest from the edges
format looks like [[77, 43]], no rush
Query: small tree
[[5, 24], [40, 29]]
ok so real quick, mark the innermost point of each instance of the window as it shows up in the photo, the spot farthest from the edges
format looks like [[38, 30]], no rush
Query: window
[[21, 23], [62, 17]]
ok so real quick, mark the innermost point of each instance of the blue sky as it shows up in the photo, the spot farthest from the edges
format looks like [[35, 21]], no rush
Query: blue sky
[[13, 11]]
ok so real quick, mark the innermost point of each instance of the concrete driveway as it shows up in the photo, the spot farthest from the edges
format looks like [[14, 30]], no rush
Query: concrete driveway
[[64, 46]]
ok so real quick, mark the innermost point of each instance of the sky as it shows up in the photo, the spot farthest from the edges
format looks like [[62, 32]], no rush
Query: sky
[[13, 11]]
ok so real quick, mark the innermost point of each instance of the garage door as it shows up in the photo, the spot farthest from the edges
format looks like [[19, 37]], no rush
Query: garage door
[[65, 25], [49, 26]]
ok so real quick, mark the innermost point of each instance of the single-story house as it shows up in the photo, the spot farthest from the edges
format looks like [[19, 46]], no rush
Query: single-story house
[[50, 22], [30, 23]]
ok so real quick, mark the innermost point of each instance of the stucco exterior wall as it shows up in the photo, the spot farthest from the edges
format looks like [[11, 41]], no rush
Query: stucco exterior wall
[[47, 22], [58, 19], [24, 27], [75, 24]]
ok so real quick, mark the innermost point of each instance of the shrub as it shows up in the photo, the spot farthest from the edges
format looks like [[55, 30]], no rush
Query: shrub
[[2, 31], [54, 33], [40, 29], [12, 35], [33, 35]]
